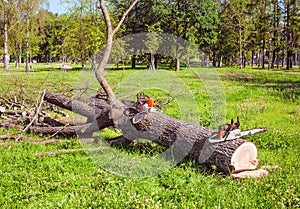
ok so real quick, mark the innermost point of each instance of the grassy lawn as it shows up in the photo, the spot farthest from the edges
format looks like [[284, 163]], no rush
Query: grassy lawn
[[260, 98]]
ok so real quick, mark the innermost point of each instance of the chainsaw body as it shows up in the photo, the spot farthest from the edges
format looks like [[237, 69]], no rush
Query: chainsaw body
[[145, 103]]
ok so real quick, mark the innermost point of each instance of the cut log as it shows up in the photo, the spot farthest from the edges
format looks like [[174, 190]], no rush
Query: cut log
[[183, 139], [72, 121], [186, 139], [244, 158], [233, 156], [67, 131], [19, 138], [51, 122], [98, 109], [69, 104]]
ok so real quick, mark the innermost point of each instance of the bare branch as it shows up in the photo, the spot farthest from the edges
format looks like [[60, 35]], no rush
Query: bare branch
[[35, 116], [124, 16], [109, 41], [63, 151], [106, 18]]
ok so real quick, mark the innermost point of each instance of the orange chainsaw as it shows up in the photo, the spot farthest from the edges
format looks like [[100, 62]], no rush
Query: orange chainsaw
[[231, 131], [145, 103]]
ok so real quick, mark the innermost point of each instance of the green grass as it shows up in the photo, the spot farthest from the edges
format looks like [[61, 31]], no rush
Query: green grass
[[260, 98]]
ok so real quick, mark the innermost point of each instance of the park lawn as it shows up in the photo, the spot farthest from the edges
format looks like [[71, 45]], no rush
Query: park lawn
[[260, 98]]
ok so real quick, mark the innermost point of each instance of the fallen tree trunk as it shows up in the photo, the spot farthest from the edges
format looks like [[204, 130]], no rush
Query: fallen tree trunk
[[98, 109], [186, 139], [182, 138], [18, 138], [67, 131]]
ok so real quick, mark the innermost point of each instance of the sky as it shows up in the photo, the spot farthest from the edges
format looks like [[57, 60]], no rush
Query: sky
[[56, 7]]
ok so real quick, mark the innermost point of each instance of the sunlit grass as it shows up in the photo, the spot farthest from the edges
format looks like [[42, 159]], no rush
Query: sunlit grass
[[259, 98]]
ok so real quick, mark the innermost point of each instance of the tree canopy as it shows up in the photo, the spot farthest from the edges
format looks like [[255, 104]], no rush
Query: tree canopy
[[234, 32]]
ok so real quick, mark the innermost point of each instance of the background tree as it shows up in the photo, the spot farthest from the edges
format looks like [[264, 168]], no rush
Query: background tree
[[83, 31], [143, 14], [53, 35], [16, 19], [235, 28], [230, 32], [291, 29], [6, 16], [152, 43], [191, 20]]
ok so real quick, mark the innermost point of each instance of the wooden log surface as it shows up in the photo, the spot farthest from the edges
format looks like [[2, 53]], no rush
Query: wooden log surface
[[18, 138], [187, 139], [97, 110], [69, 104], [182, 138], [67, 131]]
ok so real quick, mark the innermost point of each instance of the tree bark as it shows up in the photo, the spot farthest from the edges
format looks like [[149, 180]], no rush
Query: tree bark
[[97, 110], [133, 62], [6, 53], [241, 47], [69, 104], [152, 62], [288, 53], [263, 53], [66, 131], [177, 63]]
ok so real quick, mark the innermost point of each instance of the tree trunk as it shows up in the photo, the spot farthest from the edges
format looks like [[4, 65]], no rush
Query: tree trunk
[[110, 32], [66, 131], [263, 53], [214, 58], [27, 45], [296, 57], [252, 58], [177, 64], [152, 62], [186, 139], [156, 59], [244, 59], [17, 56], [20, 55], [177, 59], [288, 53], [241, 48], [81, 39], [273, 58], [182, 138], [220, 57], [258, 59], [133, 62], [6, 53]]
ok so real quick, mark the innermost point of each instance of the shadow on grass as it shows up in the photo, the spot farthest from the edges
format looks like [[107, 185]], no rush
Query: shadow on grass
[[286, 87]]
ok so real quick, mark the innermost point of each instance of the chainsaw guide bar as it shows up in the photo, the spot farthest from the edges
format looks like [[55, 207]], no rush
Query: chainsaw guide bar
[[235, 134]]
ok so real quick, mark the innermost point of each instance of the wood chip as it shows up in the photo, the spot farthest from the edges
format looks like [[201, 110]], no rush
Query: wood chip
[[251, 174]]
